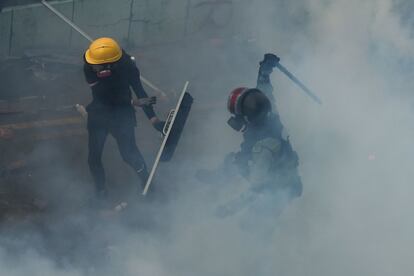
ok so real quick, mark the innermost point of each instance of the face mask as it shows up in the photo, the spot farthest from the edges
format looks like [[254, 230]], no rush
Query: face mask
[[237, 123], [102, 71]]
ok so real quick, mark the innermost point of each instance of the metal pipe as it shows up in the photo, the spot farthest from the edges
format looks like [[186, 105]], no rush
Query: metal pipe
[[67, 21], [298, 83], [89, 38]]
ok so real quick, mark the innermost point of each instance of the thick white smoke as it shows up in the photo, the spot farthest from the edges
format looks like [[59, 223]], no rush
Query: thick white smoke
[[354, 217]]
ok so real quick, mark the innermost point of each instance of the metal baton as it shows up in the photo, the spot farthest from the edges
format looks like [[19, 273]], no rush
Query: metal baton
[[298, 83]]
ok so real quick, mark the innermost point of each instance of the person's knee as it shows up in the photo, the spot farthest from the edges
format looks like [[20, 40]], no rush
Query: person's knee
[[126, 153], [131, 156]]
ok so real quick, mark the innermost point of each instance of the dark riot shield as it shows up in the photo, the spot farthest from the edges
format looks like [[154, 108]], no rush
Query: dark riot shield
[[172, 131], [177, 128]]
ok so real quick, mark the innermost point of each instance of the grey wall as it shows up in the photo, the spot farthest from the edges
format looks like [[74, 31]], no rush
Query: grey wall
[[133, 22]]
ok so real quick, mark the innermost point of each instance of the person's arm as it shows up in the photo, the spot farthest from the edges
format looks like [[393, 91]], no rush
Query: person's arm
[[242, 157], [263, 158], [135, 82], [143, 100], [263, 80]]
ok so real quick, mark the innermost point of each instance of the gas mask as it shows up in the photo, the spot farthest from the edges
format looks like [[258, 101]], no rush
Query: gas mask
[[238, 123], [248, 106], [102, 70]]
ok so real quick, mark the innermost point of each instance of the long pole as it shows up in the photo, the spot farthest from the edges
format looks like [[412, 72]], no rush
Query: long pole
[[67, 21], [299, 83], [89, 38]]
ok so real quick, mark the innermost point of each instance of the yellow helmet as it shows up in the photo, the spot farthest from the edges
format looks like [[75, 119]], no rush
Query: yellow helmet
[[103, 50]]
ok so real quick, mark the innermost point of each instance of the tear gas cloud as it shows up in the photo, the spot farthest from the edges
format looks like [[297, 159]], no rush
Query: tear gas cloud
[[354, 217]]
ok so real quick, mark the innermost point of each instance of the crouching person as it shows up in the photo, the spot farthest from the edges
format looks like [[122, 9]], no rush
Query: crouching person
[[266, 158]]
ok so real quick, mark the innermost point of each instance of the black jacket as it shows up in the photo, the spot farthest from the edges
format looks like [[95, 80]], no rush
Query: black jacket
[[112, 95]]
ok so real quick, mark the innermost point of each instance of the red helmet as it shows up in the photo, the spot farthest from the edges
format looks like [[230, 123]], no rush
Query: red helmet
[[248, 102], [234, 103]]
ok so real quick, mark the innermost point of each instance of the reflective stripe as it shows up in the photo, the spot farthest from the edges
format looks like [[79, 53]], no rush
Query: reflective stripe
[[93, 84], [140, 170]]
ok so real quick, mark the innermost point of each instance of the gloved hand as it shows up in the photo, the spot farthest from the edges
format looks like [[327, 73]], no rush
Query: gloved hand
[[144, 101], [158, 124], [270, 60]]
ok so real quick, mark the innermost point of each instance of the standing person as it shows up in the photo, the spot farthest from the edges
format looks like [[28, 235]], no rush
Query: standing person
[[111, 73]]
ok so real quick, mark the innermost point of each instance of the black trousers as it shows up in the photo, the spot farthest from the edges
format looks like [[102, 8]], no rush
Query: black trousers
[[125, 138]]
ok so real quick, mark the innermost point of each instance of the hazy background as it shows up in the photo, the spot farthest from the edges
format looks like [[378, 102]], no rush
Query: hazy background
[[354, 217]]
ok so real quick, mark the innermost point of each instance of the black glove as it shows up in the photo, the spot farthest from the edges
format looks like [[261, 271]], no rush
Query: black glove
[[270, 60], [159, 126]]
